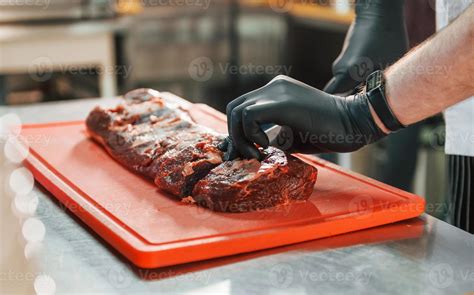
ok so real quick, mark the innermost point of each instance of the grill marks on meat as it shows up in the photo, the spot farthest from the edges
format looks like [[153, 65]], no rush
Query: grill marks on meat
[[160, 141]]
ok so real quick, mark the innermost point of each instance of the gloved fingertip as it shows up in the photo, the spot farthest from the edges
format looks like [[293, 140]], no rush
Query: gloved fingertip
[[260, 156], [231, 153], [223, 145]]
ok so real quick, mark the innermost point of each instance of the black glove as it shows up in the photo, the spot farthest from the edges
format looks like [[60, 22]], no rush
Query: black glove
[[316, 122], [376, 39]]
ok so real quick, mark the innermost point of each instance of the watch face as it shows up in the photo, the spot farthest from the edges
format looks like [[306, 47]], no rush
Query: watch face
[[374, 80]]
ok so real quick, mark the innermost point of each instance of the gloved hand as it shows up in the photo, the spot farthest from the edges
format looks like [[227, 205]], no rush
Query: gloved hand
[[318, 122], [376, 39]]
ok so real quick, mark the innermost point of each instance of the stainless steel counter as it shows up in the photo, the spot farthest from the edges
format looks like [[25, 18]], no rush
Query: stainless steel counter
[[418, 256]]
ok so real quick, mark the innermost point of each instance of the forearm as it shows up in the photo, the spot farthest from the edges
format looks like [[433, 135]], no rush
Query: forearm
[[435, 75]]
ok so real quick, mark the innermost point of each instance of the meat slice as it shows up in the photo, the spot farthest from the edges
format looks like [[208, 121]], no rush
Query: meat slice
[[247, 185], [194, 155]]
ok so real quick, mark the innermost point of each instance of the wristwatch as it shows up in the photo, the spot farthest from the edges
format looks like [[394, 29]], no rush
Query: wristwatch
[[375, 91]]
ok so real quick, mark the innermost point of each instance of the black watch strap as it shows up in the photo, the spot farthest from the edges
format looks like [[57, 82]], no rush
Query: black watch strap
[[375, 91]]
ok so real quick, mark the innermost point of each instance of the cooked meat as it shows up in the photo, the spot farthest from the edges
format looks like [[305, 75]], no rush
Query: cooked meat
[[159, 140], [246, 185], [179, 168]]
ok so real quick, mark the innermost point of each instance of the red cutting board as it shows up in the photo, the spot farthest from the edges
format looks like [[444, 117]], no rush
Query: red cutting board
[[153, 229]]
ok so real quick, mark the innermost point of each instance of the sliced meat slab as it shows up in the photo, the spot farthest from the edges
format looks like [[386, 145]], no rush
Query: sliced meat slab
[[159, 140]]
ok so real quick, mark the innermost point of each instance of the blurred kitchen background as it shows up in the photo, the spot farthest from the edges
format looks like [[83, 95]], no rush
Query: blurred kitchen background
[[208, 51]]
